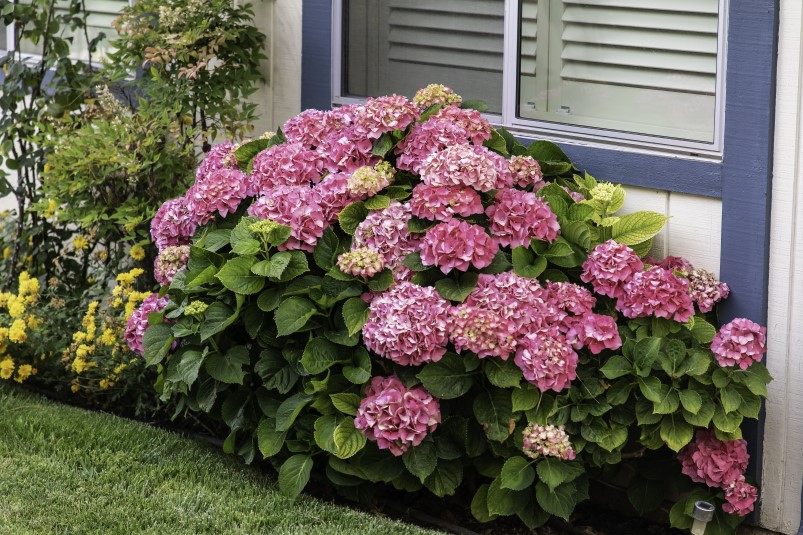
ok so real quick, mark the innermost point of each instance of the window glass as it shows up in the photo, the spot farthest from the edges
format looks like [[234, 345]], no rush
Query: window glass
[[638, 66], [399, 46]]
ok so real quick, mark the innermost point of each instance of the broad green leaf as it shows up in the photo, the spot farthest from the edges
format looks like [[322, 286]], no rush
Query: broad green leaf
[[506, 502], [616, 366], [320, 354], [457, 290], [236, 276], [446, 477], [269, 440], [360, 372], [645, 353], [217, 317], [447, 378], [552, 471], [355, 314], [326, 250], [517, 473], [619, 392], [189, 365], [377, 202], [697, 362], [232, 410], [421, 460], [270, 298], [351, 216], [527, 265], [297, 264], [676, 432], [294, 475], [228, 368], [346, 403], [502, 373], [638, 227], [289, 410], [348, 440], [525, 398], [731, 400], [156, 343], [690, 400], [273, 267], [479, 504], [293, 314], [383, 145], [559, 501], [494, 411], [727, 422], [653, 389], [702, 331], [381, 281]]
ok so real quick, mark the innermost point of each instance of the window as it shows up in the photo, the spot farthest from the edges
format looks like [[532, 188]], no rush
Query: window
[[635, 72]]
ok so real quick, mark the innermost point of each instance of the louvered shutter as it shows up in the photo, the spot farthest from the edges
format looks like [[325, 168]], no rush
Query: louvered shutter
[[408, 44], [101, 13], [644, 66]]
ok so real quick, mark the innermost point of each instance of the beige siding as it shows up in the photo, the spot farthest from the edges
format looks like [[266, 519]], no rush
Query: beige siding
[[783, 455]]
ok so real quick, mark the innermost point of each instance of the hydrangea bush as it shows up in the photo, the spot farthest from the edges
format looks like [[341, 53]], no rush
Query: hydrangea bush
[[399, 293]]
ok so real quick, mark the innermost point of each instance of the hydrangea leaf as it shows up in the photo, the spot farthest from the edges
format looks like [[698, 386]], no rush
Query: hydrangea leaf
[[228, 368], [676, 432], [638, 227], [351, 216], [236, 276], [320, 354], [293, 314], [479, 504], [156, 343], [421, 460], [447, 378], [269, 441], [517, 473], [326, 250], [348, 439], [506, 502], [355, 314], [446, 478], [457, 290], [294, 474], [559, 501], [494, 411]]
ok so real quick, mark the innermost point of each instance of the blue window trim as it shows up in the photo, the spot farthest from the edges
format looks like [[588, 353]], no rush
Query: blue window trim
[[742, 179]]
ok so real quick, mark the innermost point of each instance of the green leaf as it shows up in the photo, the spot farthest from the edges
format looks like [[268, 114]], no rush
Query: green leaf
[[500, 264], [289, 410], [553, 472], [293, 314], [494, 411], [479, 504], [525, 398], [496, 143], [645, 353], [616, 366], [675, 431], [702, 331], [446, 477], [517, 474], [559, 501], [731, 400], [697, 362], [383, 145], [457, 290], [294, 475], [506, 502], [377, 202], [690, 400], [525, 264], [348, 440], [727, 422], [270, 298], [189, 365], [246, 152], [269, 440], [478, 105], [360, 373], [296, 264], [236, 276], [646, 494], [638, 227], [355, 314], [552, 159], [346, 403], [653, 389], [381, 281], [421, 460], [619, 392], [447, 378], [156, 343], [228, 368], [320, 354], [326, 250], [502, 373], [216, 318], [413, 261], [351, 216]]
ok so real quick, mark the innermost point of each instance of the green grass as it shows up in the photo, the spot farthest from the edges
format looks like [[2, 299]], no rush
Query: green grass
[[66, 470]]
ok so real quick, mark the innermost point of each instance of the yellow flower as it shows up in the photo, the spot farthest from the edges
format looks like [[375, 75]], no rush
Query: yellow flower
[[34, 322], [117, 302], [102, 255], [80, 243], [108, 338], [17, 332], [137, 252], [117, 291], [120, 368], [79, 337], [50, 211], [4, 298], [23, 372], [16, 306], [104, 384], [82, 351], [79, 365], [3, 334], [6, 368], [75, 387]]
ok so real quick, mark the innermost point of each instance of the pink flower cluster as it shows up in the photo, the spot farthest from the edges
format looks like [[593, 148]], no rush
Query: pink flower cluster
[[739, 343], [547, 441], [720, 464], [461, 165], [220, 193], [173, 224], [516, 217], [526, 172], [436, 94], [482, 332], [397, 417], [385, 231], [441, 203], [170, 261], [138, 322], [368, 181], [219, 157], [335, 195], [408, 324], [426, 139], [457, 244], [609, 266], [299, 208], [472, 121], [386, 114], [546, 360], [361, 262], [706, 290], [288, 164], [656, 292]]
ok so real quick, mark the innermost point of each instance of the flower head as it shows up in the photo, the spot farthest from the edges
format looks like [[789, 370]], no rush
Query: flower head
[[173, 224], [472, 121], [739, 343], [218, 158], [396, 417], [457, 244], [483, 332], [717, 463], [426, 139], [461, 165], [740, 496], [361, 262], [656, 292], [170, 261], [288, 164], [436, 94], [594, 331], [220, 193], [385, 231], [546, 361], [441, 203], [137, 252], [138, 322], [526, 171], [408, 324], [518, 216], [706, 290], [335, 195], [548, 440], [368, 181], [609, 266], [386, 114], [299, 208]]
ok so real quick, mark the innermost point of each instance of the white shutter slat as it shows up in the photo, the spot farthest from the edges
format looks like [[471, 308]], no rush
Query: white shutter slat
[[683, 6], [529, 36], [636, 37]]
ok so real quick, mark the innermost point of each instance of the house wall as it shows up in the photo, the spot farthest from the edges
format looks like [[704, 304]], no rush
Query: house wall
[[783, 454]]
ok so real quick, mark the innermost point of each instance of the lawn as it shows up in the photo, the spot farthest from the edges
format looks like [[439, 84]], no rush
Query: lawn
[[67, 470]]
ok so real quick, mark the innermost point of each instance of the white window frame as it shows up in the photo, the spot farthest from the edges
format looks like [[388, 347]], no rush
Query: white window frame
[[561, 132]]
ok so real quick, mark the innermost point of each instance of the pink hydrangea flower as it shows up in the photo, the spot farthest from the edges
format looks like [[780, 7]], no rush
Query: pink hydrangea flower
[[483, 332], [656, 292], [440, 203], [460, 165], [571, 297], [672, 263], [397, 417], [299, 208], [436, 94], [346, 150], [714, 462], [518, 216], [138, 322], [594, 331], [740, 496], [221, 192], [361, 262], [548, 440], [219, 157], [472, 121], [408, 324], [457, 244], [526, 172], [335, 195], [739, 343], [424, 140], [575, 195], [170, 261], [173, 224], [386, 114], [288, 164], [306, 128], [706, 290], [609, 266], [546, 361], [385, 231], [368, 181], [517, 299]]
